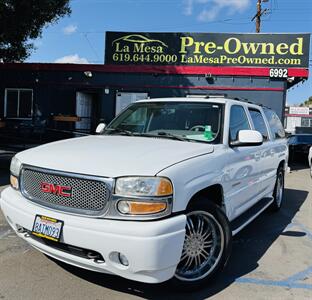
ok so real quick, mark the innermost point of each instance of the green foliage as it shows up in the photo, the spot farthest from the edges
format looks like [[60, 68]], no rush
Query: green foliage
[[307, 102], [22, 21]]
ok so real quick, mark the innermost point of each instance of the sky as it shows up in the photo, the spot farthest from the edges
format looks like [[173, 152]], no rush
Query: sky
[[80, 37]]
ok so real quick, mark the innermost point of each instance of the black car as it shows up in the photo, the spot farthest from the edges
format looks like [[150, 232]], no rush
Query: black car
[[299, 145]]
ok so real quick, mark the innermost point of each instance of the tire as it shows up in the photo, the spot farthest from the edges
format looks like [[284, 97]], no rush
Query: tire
[[278, 193], [207, 245]]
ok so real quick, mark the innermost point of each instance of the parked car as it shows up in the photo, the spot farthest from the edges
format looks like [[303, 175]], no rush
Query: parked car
[[299, 145], [158, 195]]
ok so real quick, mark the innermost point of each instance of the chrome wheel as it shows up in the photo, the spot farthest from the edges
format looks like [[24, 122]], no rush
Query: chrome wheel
[[203, 246], [279, 189]]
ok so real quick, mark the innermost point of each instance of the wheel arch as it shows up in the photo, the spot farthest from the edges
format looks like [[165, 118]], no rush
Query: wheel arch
[[213, 193], [282, 165]]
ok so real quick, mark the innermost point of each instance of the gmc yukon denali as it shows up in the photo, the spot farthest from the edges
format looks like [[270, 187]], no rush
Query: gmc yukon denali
[[157, 194]]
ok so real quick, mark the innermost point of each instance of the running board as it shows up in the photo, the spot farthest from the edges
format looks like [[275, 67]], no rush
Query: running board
[[249, 215]]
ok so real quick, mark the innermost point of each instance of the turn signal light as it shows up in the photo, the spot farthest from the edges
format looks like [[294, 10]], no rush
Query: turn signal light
[[14, 182], [164, 188], [141, 208]]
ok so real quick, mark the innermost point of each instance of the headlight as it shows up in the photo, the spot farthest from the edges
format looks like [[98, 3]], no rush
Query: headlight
[[143, 186], [15, 166]]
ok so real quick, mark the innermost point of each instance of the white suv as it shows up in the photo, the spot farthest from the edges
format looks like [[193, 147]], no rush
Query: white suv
[[157, 195]]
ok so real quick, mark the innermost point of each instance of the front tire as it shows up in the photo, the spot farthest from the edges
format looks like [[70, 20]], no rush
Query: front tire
[[207, 245]]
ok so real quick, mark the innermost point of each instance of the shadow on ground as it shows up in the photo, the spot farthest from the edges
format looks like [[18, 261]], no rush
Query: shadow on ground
[[298, 165], [248, 248]]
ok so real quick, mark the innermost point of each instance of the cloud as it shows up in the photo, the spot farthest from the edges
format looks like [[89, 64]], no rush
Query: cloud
[[71, 59], [188, 7], [210, 9], [70, 29]]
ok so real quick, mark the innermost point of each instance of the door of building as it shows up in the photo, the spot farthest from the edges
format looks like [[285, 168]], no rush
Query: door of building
[[123, 99], [83, 111]]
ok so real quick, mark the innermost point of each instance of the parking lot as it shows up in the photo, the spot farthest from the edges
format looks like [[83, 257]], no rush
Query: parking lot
[[271, 259]]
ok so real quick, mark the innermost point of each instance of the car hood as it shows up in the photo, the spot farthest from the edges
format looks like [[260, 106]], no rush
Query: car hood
[[113, 156]]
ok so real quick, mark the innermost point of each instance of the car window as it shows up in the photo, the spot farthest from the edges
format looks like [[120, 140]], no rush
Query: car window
[[238, 121], [258, 122], [275, 124]]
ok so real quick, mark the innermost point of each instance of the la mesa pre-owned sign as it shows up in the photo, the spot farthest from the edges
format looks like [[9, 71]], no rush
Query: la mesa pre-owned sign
[[208, 49]]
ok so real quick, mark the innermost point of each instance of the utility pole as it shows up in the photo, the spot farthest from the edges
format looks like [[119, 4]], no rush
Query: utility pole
[[258, 15], [258, 18]]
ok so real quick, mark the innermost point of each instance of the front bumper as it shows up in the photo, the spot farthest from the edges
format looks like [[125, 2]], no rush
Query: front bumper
[[153, 248]]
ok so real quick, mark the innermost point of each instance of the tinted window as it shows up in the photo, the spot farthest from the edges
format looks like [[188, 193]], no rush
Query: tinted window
[[258, 122], [275, 124], [238, 121]]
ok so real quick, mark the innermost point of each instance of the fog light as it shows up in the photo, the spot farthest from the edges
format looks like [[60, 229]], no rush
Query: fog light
[[123, 259], [123, 207]]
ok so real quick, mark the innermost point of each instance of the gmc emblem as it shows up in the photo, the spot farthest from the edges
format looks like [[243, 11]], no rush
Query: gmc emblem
[[56, 189]]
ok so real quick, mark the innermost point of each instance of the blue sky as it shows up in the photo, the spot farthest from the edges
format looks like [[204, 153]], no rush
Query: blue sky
[[80, 37]]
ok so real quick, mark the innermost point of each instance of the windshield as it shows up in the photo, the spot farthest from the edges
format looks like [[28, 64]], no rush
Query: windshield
[[192, 121]]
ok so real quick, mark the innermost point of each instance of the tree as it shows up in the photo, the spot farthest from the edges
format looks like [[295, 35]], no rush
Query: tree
[[307, 102], [22, 21]]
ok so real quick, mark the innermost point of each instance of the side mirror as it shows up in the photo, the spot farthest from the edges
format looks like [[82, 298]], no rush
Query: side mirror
[[248, 138], [100, 128]]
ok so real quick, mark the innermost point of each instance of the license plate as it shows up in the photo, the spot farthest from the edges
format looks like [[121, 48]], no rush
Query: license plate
[[47, 228]]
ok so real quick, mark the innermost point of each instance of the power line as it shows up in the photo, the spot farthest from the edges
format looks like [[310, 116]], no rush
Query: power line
[[91, 46]]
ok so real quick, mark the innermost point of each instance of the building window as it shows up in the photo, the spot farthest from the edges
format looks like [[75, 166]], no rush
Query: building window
[[18, 103], [306, 122]]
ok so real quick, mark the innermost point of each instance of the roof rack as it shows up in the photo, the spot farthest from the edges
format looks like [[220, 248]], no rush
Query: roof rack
[[206, 96], [244, 100], [248, 101]]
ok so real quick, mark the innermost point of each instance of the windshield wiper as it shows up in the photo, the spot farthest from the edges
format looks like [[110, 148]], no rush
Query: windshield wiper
[[172, 136], [118, 130]]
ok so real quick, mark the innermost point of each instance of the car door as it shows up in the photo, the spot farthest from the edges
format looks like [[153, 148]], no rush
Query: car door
[[242, 171], [267, 154]]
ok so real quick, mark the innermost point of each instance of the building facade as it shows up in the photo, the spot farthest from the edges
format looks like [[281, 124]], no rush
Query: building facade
[[42, 102]]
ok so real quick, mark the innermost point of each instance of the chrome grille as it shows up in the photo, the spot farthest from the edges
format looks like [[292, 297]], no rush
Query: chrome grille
[[88, 196]]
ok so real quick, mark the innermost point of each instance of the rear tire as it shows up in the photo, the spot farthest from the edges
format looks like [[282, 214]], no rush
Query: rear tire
[[279, 188], [207, 245]]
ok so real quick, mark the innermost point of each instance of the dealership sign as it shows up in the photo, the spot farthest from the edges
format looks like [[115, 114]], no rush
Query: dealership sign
[[208, 49], [299, 110]]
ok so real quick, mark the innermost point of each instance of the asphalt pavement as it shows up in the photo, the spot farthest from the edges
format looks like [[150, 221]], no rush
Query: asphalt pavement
[[271, 259]]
